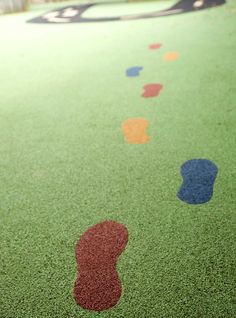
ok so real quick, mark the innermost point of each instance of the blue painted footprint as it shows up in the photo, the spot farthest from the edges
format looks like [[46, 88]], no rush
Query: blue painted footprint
[[198, 181], [133, 71]]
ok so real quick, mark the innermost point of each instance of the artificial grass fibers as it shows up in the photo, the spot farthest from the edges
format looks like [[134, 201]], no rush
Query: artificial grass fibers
[[65, 165]]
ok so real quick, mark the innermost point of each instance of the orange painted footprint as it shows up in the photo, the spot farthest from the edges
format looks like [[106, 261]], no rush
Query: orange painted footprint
[[171, 56], [98, 286], [134, 130]]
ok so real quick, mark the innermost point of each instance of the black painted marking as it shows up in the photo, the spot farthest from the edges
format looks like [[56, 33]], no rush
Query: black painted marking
[[60, 16]]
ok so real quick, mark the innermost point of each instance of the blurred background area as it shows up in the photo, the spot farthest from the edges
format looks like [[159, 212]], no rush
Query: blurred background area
[[11, 6], [14, 6]]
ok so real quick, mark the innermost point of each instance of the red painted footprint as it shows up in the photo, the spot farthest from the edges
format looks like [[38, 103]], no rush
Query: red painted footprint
[[151, 90], [155, 46], [98, 286]]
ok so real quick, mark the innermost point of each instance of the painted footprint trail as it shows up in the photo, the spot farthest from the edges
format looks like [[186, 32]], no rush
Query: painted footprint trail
[[198, 181], [98, 286]]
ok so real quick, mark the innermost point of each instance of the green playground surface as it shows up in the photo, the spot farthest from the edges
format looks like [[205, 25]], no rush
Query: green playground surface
[[66, 166]]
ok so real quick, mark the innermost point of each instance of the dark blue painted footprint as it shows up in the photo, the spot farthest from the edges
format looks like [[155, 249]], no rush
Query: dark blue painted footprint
[[198, 181], [133, 71]]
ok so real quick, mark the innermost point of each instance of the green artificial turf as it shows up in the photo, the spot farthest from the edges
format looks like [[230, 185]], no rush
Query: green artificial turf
[[64, 164]]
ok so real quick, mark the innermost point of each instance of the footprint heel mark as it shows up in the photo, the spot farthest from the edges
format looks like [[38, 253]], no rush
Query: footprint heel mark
[[134, 130], [98, 286], [134, 71], [198, 181], [152, 90]]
